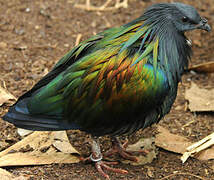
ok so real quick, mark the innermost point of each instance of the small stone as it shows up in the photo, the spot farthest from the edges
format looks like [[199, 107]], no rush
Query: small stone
[[37, 27], [19, 31], [66, 45], [27, 10]]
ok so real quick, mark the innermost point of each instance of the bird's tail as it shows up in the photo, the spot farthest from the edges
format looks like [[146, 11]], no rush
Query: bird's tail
[[20, 116]]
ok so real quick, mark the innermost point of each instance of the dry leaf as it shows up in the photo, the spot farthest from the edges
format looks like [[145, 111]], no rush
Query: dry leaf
[[6, 97], [179, 144], [207, 67], [36, 149], [61, 142], [198, 147], [171, 142], [23, 132], [142, 144], [200, 99]]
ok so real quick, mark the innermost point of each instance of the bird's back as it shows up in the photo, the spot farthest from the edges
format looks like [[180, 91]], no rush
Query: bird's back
[[112, 83]]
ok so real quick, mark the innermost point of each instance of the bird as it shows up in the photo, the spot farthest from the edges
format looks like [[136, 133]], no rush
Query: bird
[[116, 82]]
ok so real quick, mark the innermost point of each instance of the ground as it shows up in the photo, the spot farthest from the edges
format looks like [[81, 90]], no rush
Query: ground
[[35, 34]]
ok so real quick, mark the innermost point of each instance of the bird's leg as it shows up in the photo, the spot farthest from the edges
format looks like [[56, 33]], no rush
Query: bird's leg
[[119, 148], [96, 157], [198, 146]]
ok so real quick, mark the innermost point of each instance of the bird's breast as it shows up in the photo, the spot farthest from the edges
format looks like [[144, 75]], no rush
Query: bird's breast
[[112, 107]]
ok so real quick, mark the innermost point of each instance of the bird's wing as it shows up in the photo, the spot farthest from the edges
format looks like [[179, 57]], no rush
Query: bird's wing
[[66, 61], [108, 80]]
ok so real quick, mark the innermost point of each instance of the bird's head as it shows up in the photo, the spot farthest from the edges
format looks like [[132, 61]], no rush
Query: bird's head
[[187, 18], [180, 16]]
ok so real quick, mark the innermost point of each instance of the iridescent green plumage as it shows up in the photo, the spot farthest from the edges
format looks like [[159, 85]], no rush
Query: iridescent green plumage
[[109, 76], [116, 82]]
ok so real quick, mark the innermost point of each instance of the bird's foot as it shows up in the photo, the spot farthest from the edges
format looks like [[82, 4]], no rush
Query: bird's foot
[[101, 165], [198, 146], [118, 148], [97, 158]]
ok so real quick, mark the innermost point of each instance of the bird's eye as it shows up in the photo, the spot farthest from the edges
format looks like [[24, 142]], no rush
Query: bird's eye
[[184, 19]]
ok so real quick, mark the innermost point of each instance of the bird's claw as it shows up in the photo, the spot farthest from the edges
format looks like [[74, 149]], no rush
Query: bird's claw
[[123, 153], [121, 150], [100, 165]]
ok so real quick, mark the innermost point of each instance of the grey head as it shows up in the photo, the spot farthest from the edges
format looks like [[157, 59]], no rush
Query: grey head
[[181, 16], [189, 19]]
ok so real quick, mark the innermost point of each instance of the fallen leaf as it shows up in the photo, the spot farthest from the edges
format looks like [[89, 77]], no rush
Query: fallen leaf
[[141, 145], [171, 142], [6, 97], [200, 99], [23, 132], [36, 149], [179, 144], [198, 147], [206, 154], [207, 67], [61, 142]]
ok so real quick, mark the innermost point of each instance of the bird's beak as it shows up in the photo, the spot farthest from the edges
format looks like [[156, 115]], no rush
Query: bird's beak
[[204, 25]]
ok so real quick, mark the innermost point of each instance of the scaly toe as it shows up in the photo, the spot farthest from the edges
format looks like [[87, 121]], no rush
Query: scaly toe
[[100, 165]]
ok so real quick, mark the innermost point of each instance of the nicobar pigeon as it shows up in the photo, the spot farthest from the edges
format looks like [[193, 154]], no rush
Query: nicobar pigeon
[[116, 82]]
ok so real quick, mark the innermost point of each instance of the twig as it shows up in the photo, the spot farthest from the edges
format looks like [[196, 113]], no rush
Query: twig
[[187, 174], [79, 36], [203, 144], [187, 124], [108, 25], [104, 7]]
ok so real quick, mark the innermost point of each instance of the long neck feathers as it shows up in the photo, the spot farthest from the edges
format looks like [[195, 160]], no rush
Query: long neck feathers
[[160, 40]]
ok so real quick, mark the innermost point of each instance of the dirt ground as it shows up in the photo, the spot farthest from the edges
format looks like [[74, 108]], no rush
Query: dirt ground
[[35, 34]]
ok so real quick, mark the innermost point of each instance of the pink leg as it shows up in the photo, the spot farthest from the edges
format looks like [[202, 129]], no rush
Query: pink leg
[[119, 148], [96, 157]]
